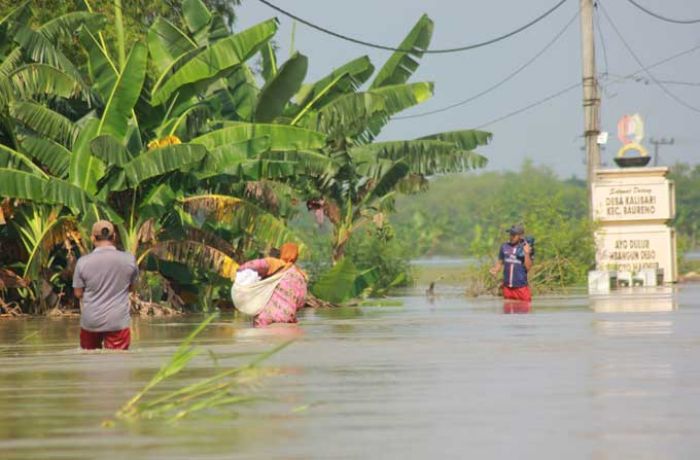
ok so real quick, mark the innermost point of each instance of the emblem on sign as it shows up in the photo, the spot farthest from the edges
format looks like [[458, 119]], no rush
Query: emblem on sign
[[630, 132]]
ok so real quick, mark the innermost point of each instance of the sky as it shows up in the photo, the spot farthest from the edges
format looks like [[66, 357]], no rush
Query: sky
[[549, 134]]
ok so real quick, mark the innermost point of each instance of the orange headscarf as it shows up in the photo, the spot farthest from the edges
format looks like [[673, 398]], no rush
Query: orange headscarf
[[289, 253]]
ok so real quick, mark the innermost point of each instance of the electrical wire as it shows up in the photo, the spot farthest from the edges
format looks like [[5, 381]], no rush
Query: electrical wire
[[497, 85], [664, 18], [643, 67], [624, 78], [413, 50], [530, 106], [657, 64]]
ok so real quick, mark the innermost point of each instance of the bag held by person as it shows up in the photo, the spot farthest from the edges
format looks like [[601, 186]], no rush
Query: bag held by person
[[251, 295]]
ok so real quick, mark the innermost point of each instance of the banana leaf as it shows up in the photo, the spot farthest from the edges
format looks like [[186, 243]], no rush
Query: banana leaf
[[124, 94], [222, 55], [277, 92], [401, 65], [51, 154], [282, 137]]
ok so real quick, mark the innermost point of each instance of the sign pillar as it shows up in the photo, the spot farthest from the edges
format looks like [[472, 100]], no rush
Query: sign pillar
[[633, 207]]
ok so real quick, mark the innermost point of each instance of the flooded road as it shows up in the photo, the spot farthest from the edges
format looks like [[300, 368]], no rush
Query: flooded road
[[452, 378]]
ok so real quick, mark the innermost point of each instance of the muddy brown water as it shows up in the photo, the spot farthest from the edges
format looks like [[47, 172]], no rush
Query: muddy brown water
[[578, 377]]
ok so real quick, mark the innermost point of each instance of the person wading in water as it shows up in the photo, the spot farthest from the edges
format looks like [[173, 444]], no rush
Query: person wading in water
[[102, 281], [289, 294], [515, 258]]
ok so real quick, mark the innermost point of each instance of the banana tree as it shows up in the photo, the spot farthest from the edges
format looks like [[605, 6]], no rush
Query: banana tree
[[110, 161]]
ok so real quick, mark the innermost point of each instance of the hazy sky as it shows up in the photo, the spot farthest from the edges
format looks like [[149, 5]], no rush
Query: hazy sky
[[550, 134]]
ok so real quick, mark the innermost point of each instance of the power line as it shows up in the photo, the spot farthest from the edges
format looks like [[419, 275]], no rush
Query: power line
[[664, 18], [497, 85], [665, 60], [413, 50], [643, 67], [646, 81], [570, 88], [531, 106]]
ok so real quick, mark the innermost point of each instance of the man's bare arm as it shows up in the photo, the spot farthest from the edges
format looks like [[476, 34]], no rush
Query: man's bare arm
[[498, 266], [528, 260], [78, 292]]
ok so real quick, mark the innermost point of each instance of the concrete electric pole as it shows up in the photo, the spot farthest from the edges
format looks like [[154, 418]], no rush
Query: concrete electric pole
[[591, 101], [657, 143]]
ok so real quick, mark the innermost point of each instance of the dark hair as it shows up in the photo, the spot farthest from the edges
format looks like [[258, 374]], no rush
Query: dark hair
[[104, 235]]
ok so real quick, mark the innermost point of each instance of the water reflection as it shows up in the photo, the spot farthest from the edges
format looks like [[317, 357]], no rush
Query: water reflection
[[516, 307], [637, 299]]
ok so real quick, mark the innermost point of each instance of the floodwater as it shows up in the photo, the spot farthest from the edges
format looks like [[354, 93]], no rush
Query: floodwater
[[451, 377]]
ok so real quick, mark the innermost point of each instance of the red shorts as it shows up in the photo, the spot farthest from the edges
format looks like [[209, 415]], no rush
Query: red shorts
[[113, 340], [519, 293]]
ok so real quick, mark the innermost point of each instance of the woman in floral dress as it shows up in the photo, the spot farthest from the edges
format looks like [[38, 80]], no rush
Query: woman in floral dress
[[290, 293]]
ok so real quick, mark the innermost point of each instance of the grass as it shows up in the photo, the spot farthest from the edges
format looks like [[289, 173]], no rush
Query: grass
[[211, 392]]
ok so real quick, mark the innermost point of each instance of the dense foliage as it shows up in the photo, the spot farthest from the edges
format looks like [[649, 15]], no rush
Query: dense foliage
[[199, 161], [466, 216]]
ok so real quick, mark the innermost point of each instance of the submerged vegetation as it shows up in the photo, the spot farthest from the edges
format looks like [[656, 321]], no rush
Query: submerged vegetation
[[216, 391], [200, 161]]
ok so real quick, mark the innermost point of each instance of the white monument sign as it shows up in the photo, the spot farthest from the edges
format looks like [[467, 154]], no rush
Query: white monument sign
[[632, 199], [633, 206], [631, 249]]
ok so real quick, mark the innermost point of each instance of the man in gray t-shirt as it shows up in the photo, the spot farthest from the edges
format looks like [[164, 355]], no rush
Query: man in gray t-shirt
[[103, 280]]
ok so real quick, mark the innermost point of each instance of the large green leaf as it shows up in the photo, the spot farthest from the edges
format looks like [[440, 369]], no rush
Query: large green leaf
[[44, 121], [21, 14], [282, 137], [238, 102], [222, 55], [21, 185], [196, 15], [256, 170], [162, 161], [108, 149], [338, 284], [401, 65], [345, 79], [51, 154], [85, 168], [345, 116], [157, 202], [66, 24], [269, 62], [167, 42], [403, 96], [101, 68], [28, 186], [10, 158], [124, 94], [467, 139], [34, 80], [424, 157], [389, 180], [227, 158], [41, 49], [279, 90], [306, 163]]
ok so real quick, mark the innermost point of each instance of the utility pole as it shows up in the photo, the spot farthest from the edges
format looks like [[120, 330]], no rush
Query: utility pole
[[657, 143], [591, 101]]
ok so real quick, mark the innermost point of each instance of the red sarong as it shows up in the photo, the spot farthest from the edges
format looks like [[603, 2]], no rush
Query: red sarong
[[519, 293], [113, 340]]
